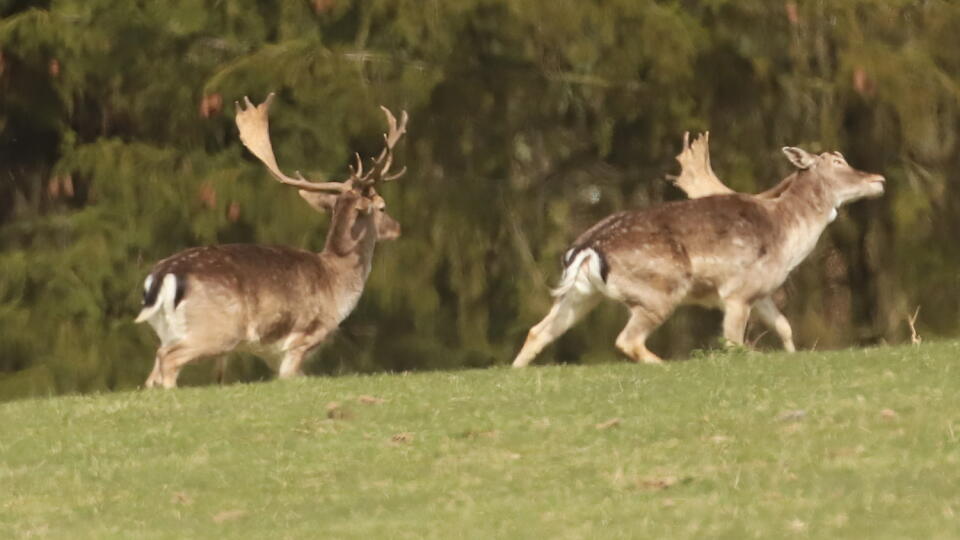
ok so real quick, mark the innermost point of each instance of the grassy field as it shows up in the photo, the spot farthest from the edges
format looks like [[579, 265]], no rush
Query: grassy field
[[855, 444]]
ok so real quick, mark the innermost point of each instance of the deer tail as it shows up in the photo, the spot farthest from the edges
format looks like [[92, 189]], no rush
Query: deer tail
[[160, 294], [585, 270]]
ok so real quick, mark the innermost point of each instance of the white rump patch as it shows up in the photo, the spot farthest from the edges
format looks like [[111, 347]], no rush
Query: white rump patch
[[582, 274], [148, 312], [169, 325], [168, 293]]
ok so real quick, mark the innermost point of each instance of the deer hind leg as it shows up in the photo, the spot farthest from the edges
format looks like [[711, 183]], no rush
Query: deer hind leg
[[566, 311], [155, 379], [170, 360], [776, 321], [632, 341], [736, 312]]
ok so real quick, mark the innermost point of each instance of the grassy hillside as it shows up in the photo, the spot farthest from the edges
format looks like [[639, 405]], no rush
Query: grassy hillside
[[860, 443]]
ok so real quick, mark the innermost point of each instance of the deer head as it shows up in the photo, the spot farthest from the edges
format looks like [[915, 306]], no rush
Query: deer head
[[354, 202], [846, 183]]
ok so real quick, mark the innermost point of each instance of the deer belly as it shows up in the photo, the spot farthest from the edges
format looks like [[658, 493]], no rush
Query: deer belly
[[703, 295], [272, 354], [270, 328]]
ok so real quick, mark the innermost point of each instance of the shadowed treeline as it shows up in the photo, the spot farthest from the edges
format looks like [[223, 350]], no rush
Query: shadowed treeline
[[530, 120]]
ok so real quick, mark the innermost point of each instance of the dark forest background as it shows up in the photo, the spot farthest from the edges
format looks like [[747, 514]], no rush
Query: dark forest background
[[530, 119]]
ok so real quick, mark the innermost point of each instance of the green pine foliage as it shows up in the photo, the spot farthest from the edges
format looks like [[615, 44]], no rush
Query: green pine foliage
[[530, 119]]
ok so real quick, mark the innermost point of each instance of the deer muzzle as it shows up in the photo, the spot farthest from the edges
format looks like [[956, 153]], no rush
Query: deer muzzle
[[876, 183]]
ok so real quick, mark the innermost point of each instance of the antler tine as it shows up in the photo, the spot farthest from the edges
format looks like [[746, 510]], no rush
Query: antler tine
[[395, 175], [387, 163], [358, 172], [382, 163], [396, 131], [254, 125]]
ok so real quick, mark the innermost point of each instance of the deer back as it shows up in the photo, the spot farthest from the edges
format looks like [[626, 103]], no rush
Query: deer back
[[707, 246], [715, 226]]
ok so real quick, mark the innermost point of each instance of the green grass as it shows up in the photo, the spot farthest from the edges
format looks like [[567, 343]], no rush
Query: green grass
[[855, 444]]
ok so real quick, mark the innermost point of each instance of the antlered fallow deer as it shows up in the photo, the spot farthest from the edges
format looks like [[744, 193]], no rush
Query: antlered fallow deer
[[207, 301], [723, 249]]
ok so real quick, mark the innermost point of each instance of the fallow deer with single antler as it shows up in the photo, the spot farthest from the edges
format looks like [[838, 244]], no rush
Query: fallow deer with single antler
[[719, 249], [206, 301]]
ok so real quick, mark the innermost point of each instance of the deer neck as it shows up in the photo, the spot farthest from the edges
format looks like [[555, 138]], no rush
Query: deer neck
[[804, 208], [349, 247]]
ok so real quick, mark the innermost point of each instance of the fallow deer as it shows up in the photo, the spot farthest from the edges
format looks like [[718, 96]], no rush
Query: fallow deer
[[722, 249], [207, 301]]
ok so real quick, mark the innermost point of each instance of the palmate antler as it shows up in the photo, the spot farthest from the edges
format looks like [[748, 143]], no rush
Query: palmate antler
[[696, 176], [254, 125]]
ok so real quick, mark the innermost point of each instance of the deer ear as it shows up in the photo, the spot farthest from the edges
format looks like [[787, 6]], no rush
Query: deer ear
[[800, 158], [320, 201]]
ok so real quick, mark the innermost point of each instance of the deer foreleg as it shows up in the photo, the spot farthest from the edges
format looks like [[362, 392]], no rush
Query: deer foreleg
[[297, 351], [220, 369], [735, 315], [773, 318], [290, 366]]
